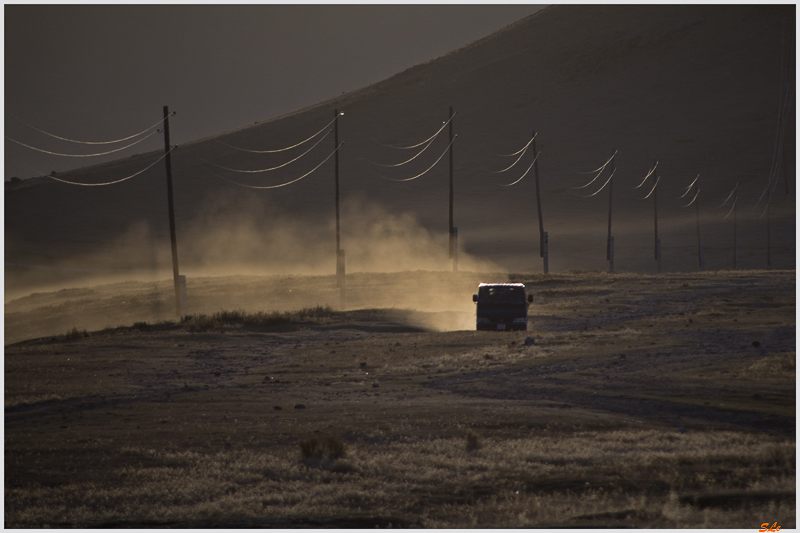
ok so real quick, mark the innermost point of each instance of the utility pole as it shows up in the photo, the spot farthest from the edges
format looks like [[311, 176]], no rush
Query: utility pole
[[697, 216], [735, 243], [339, 262], [451, 182], [769, 244], [657, 241], [610, 242], [172, 235], [538, 197]]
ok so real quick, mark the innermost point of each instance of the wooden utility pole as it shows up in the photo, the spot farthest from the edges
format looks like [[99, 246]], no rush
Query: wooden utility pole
[[769, 244], [172, 234], [735, 243], [655, 224], [656, 240], [339, 265], [538, 197], [697, 216], [609, 244], [451, 182]]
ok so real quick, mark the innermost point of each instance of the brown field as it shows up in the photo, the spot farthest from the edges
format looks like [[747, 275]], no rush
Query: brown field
[[643, 401]]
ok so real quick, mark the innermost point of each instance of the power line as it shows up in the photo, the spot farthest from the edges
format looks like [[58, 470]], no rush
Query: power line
[[521, 149], [116, 181], [732, 207], [423, 142], [282, 184], [263, 169], [429, 168], [695, 197], [90, 142], [602, 167], [689, 188], [409, 160], [524, 149], [601, 188], [599, 172], [729, 196], [526, 172], [658, 178], [82, 155], [650, 173], [264, 151]]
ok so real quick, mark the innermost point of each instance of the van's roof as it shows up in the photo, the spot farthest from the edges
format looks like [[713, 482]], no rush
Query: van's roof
[[501, 285]]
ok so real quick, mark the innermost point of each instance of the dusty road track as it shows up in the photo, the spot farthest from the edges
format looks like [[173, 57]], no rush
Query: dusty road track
[[683, 355]]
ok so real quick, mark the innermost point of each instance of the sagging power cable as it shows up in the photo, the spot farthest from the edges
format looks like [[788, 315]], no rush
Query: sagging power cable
[[650, 173], [688, 189], [783, 113], [728, 198], [425, 141], [525, 174], [523, 150], [658, 178], [408, 160], [260, 171], [83, 155], [602, 167], [93, 142], [601, 188], [275, 151], [429, 168], [115, 181], [282, 184], [599, 171]]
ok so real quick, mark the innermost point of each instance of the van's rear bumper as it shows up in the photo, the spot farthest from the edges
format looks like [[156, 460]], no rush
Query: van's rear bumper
[[502, 326]]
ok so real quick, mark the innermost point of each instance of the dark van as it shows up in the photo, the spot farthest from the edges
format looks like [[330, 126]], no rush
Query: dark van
[[502, 306]]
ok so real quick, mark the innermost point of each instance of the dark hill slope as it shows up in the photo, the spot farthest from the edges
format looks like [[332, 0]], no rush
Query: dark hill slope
[[695, 87]]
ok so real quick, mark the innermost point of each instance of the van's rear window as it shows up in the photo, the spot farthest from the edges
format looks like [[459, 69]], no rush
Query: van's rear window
[[501, 294]]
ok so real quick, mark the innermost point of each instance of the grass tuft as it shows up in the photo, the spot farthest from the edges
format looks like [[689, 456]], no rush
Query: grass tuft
[[473, 442], [330, 448], [239, 317], [75, 333]]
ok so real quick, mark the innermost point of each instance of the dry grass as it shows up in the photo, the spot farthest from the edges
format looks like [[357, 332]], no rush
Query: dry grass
[[524, 482], [642, 403], [229, 318]]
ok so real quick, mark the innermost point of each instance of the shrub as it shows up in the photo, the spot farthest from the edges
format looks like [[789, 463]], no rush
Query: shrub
[[328, 448], [473, 443], [75, 333]]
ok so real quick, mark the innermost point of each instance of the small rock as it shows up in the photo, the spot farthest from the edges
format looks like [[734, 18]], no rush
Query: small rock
[[529, 341], [362, 364], [375, 385], [277, 407], [756, 344], [299, 406]]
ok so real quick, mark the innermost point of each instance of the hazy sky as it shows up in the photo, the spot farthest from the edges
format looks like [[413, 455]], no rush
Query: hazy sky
[[101, 72]]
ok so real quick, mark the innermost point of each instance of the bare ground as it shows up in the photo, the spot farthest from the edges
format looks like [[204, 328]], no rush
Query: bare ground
[[637, 401]]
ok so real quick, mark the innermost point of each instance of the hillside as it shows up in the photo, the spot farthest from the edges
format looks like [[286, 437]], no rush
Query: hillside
[[697, 88]]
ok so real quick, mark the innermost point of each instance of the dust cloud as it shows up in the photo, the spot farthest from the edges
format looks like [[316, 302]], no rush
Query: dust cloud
[[250, 258], [245, 239]]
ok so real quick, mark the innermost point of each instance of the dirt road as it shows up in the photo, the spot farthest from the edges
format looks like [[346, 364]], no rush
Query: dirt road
[[693, 356]]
